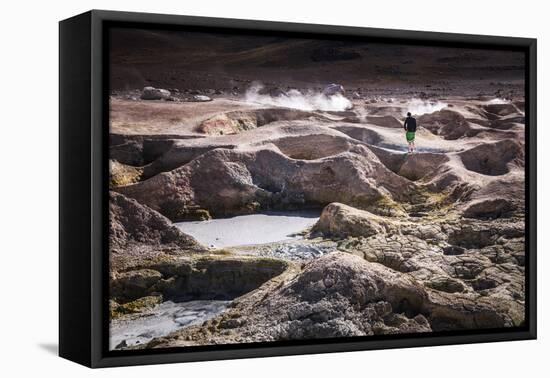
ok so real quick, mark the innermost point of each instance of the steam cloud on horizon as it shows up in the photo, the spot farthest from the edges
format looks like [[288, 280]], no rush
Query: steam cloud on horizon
[[419, 107], [295, 99]]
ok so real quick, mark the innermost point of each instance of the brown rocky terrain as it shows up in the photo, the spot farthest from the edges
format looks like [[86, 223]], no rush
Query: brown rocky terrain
[[404, 243], [422, 242]]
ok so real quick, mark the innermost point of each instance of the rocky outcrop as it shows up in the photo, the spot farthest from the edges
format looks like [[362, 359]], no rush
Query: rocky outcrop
[[419, 166], [140, 150], [228, 123], [126, 151], [338, 295], [131, 222], [121, 174], [138, 234], [494, 159], [228, 182], [342, 221], [414, 167], [234, 122], [447, 123], [134, 284], [341, 295], [480, 259], [499, 110], [152, 93], [332, 89], [286, 138], [312, 147], [195, 277], [201, 98], [489, 208]]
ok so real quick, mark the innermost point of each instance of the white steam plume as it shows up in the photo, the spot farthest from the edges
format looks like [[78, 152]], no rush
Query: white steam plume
[[499, 101], [297, 100], [418, 107]]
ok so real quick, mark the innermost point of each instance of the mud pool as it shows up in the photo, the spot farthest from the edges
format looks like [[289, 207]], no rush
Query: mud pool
[[246, 230], [165, 318]]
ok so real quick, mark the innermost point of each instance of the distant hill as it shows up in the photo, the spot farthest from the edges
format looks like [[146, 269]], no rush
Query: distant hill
[[194, 60]]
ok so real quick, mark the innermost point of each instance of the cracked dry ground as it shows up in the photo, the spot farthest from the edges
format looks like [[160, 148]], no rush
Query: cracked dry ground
[[432, 241]]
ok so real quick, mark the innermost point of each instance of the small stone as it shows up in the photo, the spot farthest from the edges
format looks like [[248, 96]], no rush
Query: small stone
[[152, 93], [201, 98], [121, 345]]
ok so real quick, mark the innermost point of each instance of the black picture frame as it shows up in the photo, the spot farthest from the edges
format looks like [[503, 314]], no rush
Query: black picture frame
[[83, 195]]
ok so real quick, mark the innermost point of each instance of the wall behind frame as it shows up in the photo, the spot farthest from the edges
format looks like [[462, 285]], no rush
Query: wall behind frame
[[29, 190]]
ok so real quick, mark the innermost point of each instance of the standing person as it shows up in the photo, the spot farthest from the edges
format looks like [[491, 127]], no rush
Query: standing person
[[410, 131]]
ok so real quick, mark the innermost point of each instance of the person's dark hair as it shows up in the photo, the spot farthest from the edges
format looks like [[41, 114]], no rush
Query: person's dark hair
[[408, 114]]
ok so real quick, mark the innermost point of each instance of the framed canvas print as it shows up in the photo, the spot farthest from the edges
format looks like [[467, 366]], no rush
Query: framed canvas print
[[233, 188]]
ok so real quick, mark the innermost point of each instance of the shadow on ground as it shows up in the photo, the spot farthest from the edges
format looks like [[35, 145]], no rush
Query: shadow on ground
[[51, 348]]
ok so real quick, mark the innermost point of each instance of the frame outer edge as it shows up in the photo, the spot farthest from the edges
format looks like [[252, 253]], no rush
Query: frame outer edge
[[74, 115], [97, 262], [532, 167], [98, 359], [411, 35]]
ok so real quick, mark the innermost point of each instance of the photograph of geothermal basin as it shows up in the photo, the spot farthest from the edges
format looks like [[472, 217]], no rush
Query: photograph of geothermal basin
[[266, 188]]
